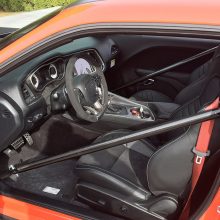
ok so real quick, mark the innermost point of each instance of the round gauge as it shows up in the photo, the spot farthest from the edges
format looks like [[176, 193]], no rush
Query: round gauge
[[53, 71], [83, 67], [35, 81]]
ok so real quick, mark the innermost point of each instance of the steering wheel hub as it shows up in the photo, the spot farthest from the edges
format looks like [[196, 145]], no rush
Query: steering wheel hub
[[88, 86]]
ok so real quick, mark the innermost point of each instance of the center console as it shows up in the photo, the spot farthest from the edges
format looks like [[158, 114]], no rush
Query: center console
[[123, 113], [126, 112]]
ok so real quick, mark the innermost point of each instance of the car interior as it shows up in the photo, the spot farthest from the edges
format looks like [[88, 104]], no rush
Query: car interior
[[99, 88]]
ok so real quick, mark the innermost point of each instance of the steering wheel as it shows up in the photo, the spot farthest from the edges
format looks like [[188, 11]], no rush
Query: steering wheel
[[88, 93]]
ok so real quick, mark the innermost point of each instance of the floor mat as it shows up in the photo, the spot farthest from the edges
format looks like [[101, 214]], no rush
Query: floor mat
[[55, 181], [59, 135]]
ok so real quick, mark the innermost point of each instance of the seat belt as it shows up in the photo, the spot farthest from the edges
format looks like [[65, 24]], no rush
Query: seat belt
[[201, 152]]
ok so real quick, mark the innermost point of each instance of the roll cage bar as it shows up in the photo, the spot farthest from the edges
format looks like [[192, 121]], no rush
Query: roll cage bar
[[165, 69], [144, 133]]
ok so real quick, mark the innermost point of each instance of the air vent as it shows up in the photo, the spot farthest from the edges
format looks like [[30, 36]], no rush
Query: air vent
[[114, 50], [27, 94]]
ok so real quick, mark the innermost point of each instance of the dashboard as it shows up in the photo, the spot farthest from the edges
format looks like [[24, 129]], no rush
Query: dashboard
[[50, 74], [29, 93]]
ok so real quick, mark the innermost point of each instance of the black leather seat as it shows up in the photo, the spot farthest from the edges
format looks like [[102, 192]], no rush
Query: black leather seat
[[155, 96], [141, 181]]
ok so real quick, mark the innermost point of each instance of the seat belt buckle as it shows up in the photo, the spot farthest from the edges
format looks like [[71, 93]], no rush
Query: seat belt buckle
[[198, 159], [200, 155]]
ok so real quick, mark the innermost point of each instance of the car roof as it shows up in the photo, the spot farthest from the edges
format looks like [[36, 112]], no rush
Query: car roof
[[194, 12]]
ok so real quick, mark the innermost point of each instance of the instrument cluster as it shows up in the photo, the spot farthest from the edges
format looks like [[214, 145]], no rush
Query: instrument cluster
[[50, 74], [46, 74]]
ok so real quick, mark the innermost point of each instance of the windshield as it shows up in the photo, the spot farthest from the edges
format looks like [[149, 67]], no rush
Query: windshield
[[19, 33]]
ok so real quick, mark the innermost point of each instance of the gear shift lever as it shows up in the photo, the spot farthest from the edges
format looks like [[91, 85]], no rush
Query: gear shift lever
[[139, 112]]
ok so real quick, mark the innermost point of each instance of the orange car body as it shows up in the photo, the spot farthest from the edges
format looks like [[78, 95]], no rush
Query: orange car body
[[198, 12], [171, 12]]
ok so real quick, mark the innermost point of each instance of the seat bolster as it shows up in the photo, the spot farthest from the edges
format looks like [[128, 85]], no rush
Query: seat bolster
[[200, 71], [111, 181], [151, 96], [170, 168]]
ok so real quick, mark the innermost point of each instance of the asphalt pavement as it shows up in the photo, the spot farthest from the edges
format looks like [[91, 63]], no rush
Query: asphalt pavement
[[21, 19]]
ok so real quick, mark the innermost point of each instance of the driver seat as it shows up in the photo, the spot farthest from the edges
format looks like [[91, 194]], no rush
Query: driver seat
[[139, 180]]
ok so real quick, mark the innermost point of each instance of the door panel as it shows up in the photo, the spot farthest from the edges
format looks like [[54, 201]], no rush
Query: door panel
[[153, 53]]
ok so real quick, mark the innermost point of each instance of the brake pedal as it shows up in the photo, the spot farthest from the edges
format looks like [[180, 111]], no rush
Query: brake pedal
[[18, 143]]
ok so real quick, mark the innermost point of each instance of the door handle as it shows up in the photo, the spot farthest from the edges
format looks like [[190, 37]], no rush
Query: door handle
[[149, 82]]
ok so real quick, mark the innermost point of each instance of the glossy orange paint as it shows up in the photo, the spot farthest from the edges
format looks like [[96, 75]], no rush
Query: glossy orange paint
[[197, 12], [213, 212], [24, 211]]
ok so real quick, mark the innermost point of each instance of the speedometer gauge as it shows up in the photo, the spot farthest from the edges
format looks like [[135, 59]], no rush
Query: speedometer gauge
[[83, 67], [53, 71]]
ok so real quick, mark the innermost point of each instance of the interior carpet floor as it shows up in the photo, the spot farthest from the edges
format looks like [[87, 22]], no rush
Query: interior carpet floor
[[55, 181]]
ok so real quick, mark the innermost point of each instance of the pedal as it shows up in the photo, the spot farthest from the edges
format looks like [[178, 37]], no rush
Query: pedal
[[21, 141], [18, 143], [28, 138]]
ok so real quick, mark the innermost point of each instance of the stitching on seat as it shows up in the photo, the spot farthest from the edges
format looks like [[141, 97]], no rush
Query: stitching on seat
[[148, 144], [106, 172], [184, 105], [161, 149], [150, 95], [125, 145], [199, 95], [152, 148], [192, 85], [117, 158], [143, 142]]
